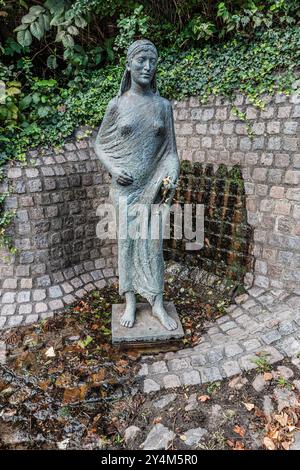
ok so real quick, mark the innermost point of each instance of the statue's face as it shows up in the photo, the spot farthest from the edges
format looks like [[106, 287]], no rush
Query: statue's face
[[142, 67]]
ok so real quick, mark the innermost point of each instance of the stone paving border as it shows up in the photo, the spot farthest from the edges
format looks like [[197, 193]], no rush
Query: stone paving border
[[53, 292], [261, 321]]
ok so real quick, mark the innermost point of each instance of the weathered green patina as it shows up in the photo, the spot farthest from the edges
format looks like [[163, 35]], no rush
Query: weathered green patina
[[136, 144]]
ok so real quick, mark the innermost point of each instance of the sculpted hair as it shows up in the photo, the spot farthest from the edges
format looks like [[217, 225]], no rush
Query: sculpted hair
[[137, 46]]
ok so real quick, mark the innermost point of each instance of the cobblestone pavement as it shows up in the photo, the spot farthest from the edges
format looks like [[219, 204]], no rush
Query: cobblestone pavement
[[260, 321], [53, 293]]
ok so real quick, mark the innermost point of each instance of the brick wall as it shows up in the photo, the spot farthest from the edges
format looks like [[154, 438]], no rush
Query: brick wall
[[59, 257], [267, 148]]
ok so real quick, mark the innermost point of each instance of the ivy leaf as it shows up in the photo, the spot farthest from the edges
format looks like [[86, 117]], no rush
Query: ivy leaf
[[29, 18], [4, 139], [52, 62], [59, 36], [57, 20], [46, 22], [25, 102], [23, 4], [73, 30], [36, 30], [13, 91], [69, 14], [43, 111], [68, 41], [80, 22], [41, 23], [22, 27], [36, 9], [24, 38], [36, 98]]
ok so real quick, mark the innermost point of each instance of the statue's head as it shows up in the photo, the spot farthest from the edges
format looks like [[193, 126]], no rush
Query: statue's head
[[141, 64]]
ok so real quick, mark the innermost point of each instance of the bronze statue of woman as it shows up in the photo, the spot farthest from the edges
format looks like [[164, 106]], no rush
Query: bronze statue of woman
[[136, 144]]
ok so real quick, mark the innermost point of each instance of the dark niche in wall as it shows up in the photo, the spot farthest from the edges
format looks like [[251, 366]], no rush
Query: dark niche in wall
[[228, 238]]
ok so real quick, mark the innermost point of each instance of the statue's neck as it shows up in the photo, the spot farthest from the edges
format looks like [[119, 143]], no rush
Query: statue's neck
[[136, 89]]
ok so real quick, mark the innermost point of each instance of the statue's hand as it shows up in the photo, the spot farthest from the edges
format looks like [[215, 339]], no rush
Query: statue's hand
[[170, 182], [123, 177]]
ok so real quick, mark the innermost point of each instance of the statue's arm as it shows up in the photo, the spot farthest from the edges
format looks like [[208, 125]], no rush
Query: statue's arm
[[101, 141], [104, 142]]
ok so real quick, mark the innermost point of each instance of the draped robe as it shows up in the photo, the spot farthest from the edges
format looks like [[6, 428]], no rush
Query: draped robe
[[138, 136]]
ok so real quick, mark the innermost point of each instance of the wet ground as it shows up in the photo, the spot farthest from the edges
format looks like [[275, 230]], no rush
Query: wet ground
[[64, 386], [62, 378]]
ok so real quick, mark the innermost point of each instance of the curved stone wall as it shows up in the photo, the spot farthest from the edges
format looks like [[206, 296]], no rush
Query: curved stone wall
[[59, 257], [56, 195]]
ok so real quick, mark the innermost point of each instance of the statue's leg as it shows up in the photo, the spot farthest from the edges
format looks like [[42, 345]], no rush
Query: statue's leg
[[159, 312], [128, 316]]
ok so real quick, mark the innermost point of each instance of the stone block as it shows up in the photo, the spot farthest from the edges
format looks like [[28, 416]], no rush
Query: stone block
[[210, 374], [146, 328], [191, 377]]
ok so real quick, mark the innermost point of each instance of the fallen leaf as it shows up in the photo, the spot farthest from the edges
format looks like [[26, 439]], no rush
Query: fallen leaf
[[282, 419], [259, 413], [98, 378], [122, 363], [239, 430], [286, 445], [239, 446], [268, 376], [96, 418], [44, 384], [64, 381], [274, 434], [62, 445], [50, 352], [269, 444], [20, 396], [249, 406], [157, 420], [204, 398], [183, 437], [230, 443], [72, 395], [133, 355], [7, 391]]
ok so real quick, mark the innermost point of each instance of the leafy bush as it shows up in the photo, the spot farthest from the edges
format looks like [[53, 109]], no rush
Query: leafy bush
[[48, 112], [61, 61], [131, 27], [64, 32]]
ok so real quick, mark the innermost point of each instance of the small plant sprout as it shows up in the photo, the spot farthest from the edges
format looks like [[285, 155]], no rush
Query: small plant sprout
[[262, 363], [282, 382], [213, 387]]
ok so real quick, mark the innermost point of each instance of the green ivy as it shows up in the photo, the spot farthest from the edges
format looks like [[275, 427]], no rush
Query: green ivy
[[5, 220], [254, 68]]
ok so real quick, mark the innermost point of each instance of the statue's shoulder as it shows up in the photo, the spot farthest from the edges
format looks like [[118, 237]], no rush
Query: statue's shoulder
[[112, 106], [166, 105]]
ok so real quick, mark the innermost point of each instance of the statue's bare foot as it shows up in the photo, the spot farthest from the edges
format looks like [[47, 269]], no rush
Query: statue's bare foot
[[160, 313], [128, 316]]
